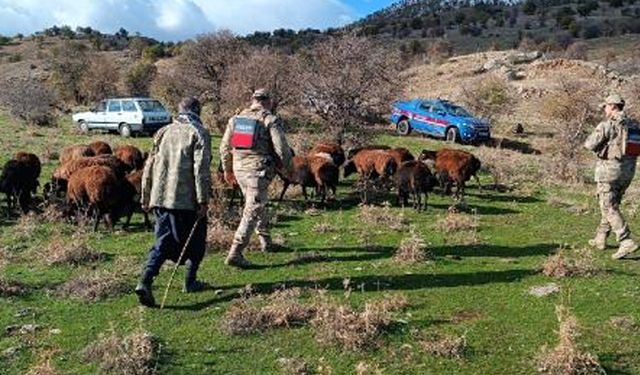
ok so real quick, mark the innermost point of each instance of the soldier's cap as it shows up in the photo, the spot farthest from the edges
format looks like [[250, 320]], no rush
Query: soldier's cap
[[613, 99], [261, 94]]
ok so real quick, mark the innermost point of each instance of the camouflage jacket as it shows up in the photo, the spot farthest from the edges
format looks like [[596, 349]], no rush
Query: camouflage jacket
[[177, 174], [607, 142], [270, 149]]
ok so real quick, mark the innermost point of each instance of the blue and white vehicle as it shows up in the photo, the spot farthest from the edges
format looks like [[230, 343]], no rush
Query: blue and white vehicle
[[439, 118], [125, 116]]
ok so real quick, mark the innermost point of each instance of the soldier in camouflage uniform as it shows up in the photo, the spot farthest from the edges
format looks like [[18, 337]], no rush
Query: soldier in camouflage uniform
[[175, 184], [252, 146], [616, 142]]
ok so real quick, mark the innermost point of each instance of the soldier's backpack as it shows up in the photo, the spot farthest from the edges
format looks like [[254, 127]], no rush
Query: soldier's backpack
[[245, 131], [631, 139]]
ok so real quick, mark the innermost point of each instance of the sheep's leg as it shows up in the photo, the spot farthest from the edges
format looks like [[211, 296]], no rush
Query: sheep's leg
[[97, 215], [108, 220], [147, 223], [475, 176], [418, 198], [304, 193], [284, 189], [323, 194]]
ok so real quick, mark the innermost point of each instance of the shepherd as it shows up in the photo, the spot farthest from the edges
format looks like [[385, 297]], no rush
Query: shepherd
[[175, 185]]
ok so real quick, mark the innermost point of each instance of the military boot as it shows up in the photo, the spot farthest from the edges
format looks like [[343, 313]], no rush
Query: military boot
[[599, 241], [191, 283], [236, 259], [627, 247], [145, 292]]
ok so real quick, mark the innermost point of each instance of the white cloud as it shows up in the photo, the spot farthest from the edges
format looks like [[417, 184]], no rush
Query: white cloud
[[172, 19]]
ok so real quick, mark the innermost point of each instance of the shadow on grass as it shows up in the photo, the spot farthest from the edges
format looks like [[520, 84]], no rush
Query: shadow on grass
[[495, 251], [624, 363], [374, 282], [504, 198]]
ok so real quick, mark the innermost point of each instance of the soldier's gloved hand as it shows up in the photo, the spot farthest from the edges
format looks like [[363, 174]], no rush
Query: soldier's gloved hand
[[230, 178], [202, 210]]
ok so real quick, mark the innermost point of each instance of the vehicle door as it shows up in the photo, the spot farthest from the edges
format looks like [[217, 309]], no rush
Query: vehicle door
[[422, 119], [97, 116], [440, 119], [114, 115], [130, 113]]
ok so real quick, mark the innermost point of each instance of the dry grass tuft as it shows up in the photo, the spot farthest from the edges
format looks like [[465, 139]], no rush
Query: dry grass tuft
[[457, 222], [569, 263], [46, 368], [382, 216], [75, 251], [294, 366], [135, 354], [324, 227], [355, 330], [220, 235], [447, 347], [26, 227], [305, 258], [10, 288], [412, 249], [566, 358], [570, 206], [364, 368], [625, 323], [259, 313], [93, 286]]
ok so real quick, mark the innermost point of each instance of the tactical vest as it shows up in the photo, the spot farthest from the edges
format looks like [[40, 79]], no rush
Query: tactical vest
[[245, 133]]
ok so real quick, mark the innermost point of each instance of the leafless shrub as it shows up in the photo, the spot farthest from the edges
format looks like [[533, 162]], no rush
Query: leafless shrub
[[94, 286], [294, 366], [353, 329], [26, 227], [571, 206], [72, 251], [447, 347], [570, 263], [566, 358], [439, 50], [412, 249], [572, 112], [68, 66], [382, 216], [134, 354], [139, 77], [259, 313], [220, 235], [577, 51], [28, 100], [100, 79], [349, 82], [509, 167], [488, 97]]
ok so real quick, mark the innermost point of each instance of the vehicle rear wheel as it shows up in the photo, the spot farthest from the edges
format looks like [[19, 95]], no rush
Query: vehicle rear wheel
[[83, 127], [403, 127], [125, 130], [453, 136]]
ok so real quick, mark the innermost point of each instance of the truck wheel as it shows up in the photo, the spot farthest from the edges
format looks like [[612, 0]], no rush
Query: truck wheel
[[83, 127], [453, 136], [125, 130], [403, 127]]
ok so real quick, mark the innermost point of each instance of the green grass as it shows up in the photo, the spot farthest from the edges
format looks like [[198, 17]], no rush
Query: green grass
[[490, 279]]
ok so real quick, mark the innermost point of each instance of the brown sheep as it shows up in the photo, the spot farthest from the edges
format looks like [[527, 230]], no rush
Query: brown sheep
[[131, 156], [414, 178], [454, 166], [400, 154], [354, 151], [98, 191], [62, 174], [332, 149], [75, 152], [135, 179], [314, 171], [371, 164], [100, 148]]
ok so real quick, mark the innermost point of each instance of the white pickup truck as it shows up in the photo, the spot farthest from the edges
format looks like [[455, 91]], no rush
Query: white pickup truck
[[125, 116]]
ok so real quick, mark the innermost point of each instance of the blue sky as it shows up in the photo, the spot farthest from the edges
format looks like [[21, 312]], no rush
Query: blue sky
[[181, 19]]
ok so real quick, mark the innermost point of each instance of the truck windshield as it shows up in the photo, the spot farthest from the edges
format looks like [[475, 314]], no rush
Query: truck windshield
[[151, 106], [456, 111]]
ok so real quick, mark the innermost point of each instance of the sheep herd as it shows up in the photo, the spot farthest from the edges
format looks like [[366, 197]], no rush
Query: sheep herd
[[103, 183]]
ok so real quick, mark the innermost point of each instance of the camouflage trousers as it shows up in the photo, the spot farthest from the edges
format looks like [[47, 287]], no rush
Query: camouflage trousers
[[610, 196], [254, 216]]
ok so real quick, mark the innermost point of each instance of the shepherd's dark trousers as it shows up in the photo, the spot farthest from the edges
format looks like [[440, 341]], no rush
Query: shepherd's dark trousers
[[172, 230]]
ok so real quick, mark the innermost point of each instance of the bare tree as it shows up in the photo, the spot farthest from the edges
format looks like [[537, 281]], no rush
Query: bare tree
[[28, 100], [100, 79], [349, 82]]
